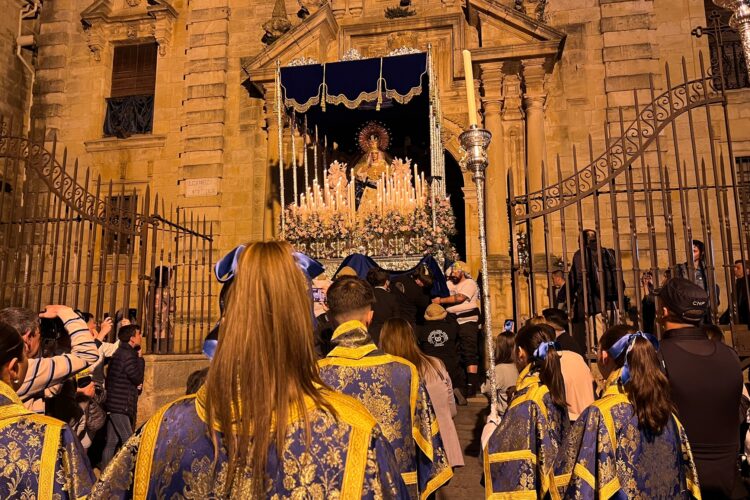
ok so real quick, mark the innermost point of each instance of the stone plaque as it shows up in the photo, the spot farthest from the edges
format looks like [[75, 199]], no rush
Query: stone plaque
[[208, 186]]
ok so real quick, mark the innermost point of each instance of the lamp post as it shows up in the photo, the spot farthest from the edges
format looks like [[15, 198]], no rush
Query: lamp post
[[740, 21], [475, 142]]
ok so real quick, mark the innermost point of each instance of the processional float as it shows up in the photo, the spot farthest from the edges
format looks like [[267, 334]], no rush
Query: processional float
[[357, 208], [367, 168]]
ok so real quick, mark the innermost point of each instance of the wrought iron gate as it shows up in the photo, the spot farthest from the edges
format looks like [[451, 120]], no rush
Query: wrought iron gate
[[668, 175], [68, 238]]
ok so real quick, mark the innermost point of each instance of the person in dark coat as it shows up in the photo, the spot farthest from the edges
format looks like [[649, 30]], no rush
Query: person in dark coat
[[437, 337], [706, 382], [561, 295], [413, 294], [124, 379], [386, 304], [740, 291]]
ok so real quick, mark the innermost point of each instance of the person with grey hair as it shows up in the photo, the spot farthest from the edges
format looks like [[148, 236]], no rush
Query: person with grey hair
[[45, 373]]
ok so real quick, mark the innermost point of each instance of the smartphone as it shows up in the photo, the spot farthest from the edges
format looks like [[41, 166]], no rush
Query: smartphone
[[509, 325], [319, 295]]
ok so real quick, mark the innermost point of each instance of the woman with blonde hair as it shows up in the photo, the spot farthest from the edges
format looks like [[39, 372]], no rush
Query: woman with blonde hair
[[40, 457], [397, 338], [263, 426]]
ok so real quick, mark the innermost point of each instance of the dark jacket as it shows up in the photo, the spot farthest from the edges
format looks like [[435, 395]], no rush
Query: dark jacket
[[743, 308], [386, 307], [438, 338], [123, 378], [593, 288], [413, 299], [706, 382], [324, 327], [561, 299]]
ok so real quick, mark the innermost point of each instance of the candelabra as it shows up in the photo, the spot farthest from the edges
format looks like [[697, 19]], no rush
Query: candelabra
[[475, 142], [740, 21]]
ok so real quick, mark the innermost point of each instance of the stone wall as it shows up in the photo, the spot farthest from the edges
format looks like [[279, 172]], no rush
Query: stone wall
[[14, 78], [165, 380], [211, 131]]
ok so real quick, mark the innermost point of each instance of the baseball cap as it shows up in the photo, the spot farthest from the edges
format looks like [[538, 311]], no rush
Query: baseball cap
[[684, 299]]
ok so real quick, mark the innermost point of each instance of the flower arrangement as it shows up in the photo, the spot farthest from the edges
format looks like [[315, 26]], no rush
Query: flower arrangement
[[378, 234]]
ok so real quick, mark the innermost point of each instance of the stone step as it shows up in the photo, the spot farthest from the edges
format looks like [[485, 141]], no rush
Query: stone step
[[466, 480]]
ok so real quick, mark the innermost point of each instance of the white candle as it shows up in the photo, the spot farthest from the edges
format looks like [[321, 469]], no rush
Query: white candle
[[470, 97]]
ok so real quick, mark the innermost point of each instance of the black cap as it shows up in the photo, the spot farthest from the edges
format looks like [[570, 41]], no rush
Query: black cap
[[684, 299]]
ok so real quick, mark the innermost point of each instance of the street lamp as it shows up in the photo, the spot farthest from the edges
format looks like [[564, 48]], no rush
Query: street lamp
[[740, 21]]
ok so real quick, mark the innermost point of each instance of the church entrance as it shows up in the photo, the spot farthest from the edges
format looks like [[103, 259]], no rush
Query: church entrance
[[454, 188]]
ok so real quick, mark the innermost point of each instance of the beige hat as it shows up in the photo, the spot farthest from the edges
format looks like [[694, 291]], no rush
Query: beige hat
[[346, 271], [435, 312]]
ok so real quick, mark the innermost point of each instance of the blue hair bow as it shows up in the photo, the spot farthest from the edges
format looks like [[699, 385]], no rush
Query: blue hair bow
[[541, 351], [311, 267], [625, 344], [227, 266]]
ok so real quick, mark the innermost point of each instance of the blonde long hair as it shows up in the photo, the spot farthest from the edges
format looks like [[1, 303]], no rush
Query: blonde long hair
[[265, 363]]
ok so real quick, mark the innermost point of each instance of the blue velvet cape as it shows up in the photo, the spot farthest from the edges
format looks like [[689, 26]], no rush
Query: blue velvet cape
[[520, 454], [391, 390], [40, 457], [607, 456], [172, 456]]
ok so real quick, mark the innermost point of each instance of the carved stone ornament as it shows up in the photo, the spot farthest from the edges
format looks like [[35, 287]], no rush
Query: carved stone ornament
[[401, 41], [312, 6], [102, 25], [403, 51]]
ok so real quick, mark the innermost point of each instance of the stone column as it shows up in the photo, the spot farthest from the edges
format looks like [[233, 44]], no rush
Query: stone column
[[534, 98], [496, 194], [497, 226], [514, 154], [272, 204]]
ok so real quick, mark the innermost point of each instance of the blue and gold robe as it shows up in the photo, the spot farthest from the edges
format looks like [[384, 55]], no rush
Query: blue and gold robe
[[607, 456], [40, 457], [391, 390], [520, 454], [172, 456]]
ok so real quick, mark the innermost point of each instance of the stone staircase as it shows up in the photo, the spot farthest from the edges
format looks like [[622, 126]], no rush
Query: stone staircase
[[469, 423]]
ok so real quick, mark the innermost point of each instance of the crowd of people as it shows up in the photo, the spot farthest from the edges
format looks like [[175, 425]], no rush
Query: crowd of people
[[359, 401], [667, 422], [65, 383]]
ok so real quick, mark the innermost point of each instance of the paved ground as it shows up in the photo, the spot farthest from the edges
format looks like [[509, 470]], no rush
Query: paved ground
[[469, 424]]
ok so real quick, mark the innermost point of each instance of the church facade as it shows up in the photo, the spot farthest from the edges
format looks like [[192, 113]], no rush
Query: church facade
[[180, 96]]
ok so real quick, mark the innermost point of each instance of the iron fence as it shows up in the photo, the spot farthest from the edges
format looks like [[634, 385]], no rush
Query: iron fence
[[67, 237], [667, 177]]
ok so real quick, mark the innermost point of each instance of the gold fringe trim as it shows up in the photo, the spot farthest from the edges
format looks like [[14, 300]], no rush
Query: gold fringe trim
[[353, 103]]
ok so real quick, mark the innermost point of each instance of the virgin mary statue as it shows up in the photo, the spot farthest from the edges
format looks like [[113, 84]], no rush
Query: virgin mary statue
[[373, 140]]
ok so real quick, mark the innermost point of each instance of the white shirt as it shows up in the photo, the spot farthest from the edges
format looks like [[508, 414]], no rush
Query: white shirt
[[469, 289]]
